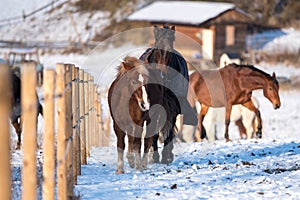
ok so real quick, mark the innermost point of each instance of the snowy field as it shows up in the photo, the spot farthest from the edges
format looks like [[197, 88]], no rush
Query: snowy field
[[268, 168], [263, 169]]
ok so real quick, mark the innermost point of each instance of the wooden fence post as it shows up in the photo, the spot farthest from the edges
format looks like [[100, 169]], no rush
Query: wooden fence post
[[29, 117], [75, 122], [107, 131], [82, 118], [78, 152], [49, 151], [5, 174], [100, 121], [69, 149], [98, 118], [86, 113], [97, 124], [91, 112], [61, 132]]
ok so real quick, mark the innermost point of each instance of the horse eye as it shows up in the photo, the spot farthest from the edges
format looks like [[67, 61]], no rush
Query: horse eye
[[133, 82], [270, 89]]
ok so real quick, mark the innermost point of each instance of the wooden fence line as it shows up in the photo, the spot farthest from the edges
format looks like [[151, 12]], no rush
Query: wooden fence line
[[79, 127]]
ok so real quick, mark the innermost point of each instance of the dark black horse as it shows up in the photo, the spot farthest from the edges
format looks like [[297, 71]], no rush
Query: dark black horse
[[15, 115], [174, 74]]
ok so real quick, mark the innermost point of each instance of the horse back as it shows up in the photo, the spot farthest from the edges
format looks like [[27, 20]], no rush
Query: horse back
[[208, 87]]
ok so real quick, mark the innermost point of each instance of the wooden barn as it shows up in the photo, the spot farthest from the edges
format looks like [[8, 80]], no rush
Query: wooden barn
[[217, 28]]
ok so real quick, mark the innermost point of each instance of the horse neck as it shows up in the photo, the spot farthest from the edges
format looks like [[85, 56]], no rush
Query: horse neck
[[255, 80]]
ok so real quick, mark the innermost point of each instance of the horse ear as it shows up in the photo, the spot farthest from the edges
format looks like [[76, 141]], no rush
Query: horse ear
[[173, 28], [274, 75], [127, 63]]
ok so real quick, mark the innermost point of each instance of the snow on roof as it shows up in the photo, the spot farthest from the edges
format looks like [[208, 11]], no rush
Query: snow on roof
[[183, 12]]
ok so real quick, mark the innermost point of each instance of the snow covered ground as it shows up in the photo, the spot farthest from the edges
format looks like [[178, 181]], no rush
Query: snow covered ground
[[268, 168], [264, 169]]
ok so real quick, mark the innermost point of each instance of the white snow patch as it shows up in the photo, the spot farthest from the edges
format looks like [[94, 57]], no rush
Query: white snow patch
[[288, 43], [188, 12]]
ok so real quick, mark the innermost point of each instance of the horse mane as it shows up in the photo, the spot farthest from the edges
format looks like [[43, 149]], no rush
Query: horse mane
[[252, 68], [129, 63]]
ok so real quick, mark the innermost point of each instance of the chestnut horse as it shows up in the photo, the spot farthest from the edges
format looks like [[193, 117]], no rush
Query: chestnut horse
[[233, 85], [128, 104]]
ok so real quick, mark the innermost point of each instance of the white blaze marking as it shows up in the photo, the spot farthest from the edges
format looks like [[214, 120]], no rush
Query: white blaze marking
[[144, 94], [141, 78]]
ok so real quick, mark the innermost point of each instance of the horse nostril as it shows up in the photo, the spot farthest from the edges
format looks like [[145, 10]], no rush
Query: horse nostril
[[277, 106]]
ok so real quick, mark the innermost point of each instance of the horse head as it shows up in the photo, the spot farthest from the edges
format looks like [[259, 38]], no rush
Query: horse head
[[163, 46], [136, 76], [271, 91]]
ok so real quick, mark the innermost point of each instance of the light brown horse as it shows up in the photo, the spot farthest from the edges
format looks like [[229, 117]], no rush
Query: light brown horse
[[128, 104], [232, 85]]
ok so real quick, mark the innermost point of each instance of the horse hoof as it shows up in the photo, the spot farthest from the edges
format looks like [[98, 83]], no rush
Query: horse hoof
[[131, 165], [244, 136], [130, 159], [167, 161], [155, 157], [118, 171], [228, 140], [144, 167], [259, 134]]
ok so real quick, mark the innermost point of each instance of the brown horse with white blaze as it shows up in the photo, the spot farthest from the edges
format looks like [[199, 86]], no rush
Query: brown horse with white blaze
[[128, 104], [232, 85]]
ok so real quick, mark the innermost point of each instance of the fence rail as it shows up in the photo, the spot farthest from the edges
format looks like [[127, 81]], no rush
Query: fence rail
[[73, 106]]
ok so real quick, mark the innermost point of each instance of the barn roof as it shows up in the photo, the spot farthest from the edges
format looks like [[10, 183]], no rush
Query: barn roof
[[180, 12]]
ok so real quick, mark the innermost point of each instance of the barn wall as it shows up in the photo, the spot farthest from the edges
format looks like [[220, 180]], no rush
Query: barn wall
[[193, 34]]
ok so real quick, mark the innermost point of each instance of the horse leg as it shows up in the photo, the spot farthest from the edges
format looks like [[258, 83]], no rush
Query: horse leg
[[241, 127], [130, 154], [202, 113], [137, 152], [120, 146], [18, 130], [250, 105], [227, 121], [155, 148], [147, 144], [167, 155]]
